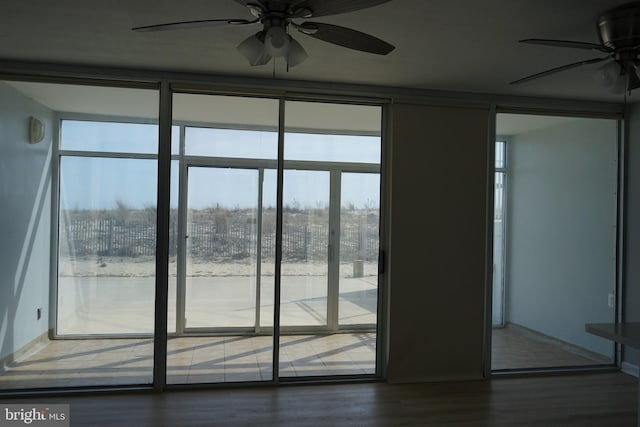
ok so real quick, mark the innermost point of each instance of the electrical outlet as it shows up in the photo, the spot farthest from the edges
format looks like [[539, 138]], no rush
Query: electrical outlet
[[611, 300]]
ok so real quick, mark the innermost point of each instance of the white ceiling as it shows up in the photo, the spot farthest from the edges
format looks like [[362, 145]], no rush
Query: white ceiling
[[457, 45]]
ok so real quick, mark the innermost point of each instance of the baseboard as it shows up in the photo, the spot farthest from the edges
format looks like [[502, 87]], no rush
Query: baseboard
[[629, 368], [433, 379], [34, 345]]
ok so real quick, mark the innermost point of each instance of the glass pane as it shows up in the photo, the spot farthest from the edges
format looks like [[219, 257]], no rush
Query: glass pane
[[305, 239], [173, 249], [359, 231], [225, 285], [319, 131], [106, 264], [329, 271], [500, 154], [109, 137], [498, 250], [560, 243], [175, 141], [246, 144], [332, 148], [221, 248], [106, 242], [25, 227], [228, 126], [267, 269]]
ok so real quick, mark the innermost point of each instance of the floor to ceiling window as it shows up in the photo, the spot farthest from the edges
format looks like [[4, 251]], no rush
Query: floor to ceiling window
[[499, 227], [331, 205], [227, 224], [555, 255], [85, 317], [106, 228], [83, 299]]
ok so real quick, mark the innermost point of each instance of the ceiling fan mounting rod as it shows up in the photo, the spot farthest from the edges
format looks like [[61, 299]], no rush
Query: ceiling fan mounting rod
[[619, 28], [275, 19], [278, 14], [627, 59]]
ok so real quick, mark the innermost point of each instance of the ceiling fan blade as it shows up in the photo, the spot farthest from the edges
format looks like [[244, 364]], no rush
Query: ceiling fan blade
[[193, 24], [558, 69], [345, 37], [246, 3], [570, 44], [334, 7]]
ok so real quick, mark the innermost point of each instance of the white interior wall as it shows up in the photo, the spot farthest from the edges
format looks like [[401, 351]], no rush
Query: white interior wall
[[25, 198], [437, 265], [561, 236]]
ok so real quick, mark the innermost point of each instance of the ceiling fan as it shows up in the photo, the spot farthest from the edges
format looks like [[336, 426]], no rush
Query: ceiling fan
[[619, 32], [276, 18]]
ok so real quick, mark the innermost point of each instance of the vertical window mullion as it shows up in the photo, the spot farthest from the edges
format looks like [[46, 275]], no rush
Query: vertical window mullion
[[278, 255], [162, 239]]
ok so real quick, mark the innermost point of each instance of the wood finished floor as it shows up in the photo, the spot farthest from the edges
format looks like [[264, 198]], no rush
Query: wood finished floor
[[603, 399]]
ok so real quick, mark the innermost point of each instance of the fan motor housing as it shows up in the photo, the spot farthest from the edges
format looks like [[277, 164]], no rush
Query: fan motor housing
[[619, 28]]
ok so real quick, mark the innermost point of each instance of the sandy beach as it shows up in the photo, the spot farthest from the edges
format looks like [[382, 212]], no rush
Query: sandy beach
[[94, 266]]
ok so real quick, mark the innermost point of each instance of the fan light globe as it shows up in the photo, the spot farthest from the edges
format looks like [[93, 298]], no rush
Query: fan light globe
[[296, 54], [608, 75], [620, 85], [277, 41], [253, 50]]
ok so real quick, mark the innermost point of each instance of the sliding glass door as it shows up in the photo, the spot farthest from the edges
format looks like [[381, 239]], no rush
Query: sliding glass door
[[229, 297], [305, 250], [331, 193], [225, 239], [221, 249]]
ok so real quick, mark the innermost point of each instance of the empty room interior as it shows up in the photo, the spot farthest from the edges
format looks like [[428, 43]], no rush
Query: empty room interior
[[358, 213]]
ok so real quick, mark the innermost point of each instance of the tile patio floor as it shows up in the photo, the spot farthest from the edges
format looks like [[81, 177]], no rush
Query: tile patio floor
[[190, 360]]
